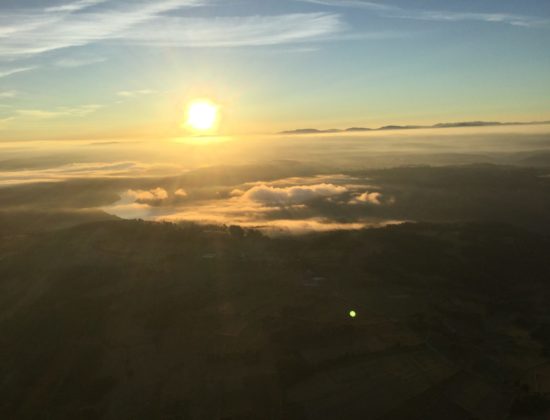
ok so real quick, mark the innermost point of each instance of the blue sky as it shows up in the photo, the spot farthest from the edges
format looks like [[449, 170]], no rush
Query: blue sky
[[113, 68]]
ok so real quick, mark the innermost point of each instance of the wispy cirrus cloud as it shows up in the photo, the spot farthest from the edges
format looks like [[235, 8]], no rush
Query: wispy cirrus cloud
[[5, 121], [73, 62], [74, 6], [9, 72], [237, 31], [80, 111], [8, 94], [391, 11], [26, 33], [135, 93]]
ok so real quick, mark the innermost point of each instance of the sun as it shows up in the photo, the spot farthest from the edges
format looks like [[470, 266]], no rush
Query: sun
[[202, 115]]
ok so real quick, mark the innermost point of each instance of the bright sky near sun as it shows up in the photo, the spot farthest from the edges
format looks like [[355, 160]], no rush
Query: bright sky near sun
[[202, 116], [73, 69]]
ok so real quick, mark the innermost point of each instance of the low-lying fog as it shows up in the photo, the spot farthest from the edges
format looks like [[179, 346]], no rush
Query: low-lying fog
[[295, 183]]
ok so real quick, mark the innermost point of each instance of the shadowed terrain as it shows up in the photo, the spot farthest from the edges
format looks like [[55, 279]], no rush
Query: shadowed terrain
[[129, 319]]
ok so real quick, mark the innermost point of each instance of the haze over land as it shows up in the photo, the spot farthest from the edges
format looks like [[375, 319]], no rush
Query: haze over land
[[286, 183]]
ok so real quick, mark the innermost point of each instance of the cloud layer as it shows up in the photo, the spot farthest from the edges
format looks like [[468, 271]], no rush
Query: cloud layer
[[368, 198], [14, 70], [25, 33], [83, 171], [297, 205], [80, 111], [74, 6], [156, 194], [391, 11], [273, 196]]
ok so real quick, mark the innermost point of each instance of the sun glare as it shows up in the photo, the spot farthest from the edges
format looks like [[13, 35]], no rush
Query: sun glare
[[202, 115]]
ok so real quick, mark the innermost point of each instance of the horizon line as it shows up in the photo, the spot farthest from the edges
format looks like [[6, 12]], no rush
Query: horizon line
[[461, 124]]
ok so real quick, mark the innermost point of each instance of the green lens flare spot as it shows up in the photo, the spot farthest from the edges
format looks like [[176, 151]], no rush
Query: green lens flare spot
[[352, 314]]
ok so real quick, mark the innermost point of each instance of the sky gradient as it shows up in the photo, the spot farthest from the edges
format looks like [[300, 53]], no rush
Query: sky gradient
[[88, 69]]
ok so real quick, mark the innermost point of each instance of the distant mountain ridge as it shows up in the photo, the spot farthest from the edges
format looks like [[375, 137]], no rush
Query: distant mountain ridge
[[411, 127]]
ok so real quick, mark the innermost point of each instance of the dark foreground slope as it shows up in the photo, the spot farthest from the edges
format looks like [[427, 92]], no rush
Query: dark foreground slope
[[135, 320]]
